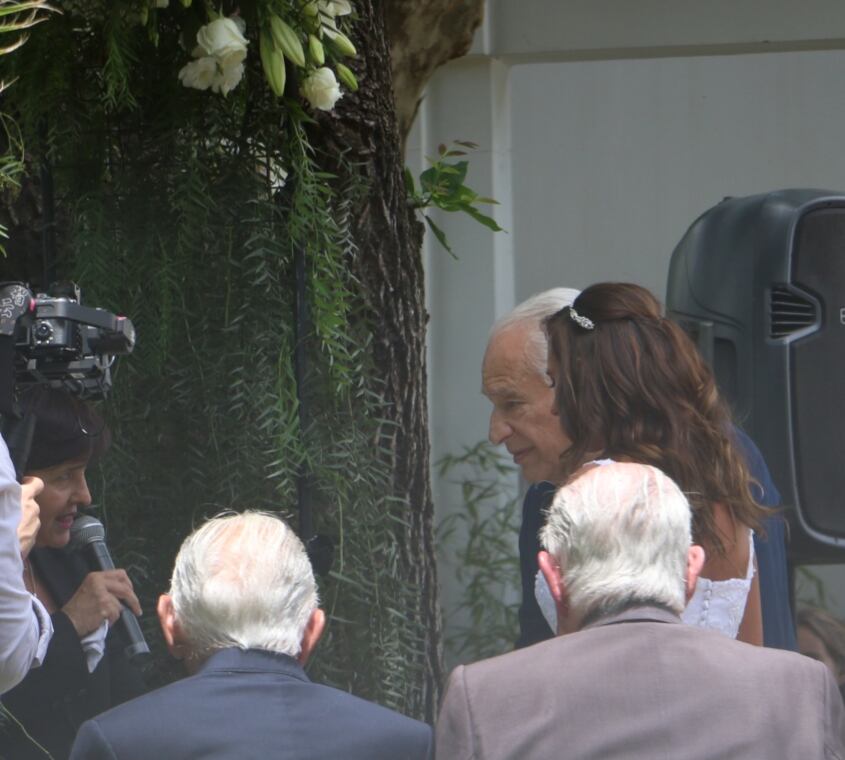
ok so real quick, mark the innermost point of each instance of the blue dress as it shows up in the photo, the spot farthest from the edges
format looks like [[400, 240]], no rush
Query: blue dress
[[778, 624]]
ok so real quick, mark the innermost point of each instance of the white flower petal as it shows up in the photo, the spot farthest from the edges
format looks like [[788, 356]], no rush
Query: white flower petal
[[227, 79], [240, 23], [321, 89], [334, 8], [341, 7], [221, 37], [199, 74]]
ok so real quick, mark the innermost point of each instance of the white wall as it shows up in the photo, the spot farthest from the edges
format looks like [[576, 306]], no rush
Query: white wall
[[612, 160]]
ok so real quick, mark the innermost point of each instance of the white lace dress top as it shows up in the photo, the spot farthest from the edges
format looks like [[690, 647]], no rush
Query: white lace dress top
[[720, 605]]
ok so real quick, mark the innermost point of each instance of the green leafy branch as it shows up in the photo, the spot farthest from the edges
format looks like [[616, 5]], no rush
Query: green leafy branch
[[11, 163], [442, 186]]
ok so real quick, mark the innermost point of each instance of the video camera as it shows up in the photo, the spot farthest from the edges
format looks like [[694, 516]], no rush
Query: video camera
[[62, 343], [52, 339]]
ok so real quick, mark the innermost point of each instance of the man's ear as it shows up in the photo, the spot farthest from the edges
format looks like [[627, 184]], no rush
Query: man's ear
[[550, 569], [313, 632], [695, 561], [170, 628]]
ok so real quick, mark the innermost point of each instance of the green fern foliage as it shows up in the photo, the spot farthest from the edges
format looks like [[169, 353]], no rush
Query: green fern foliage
[[478, 540]]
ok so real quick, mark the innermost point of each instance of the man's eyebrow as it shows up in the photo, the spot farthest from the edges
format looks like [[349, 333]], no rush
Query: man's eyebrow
[[503, 389]]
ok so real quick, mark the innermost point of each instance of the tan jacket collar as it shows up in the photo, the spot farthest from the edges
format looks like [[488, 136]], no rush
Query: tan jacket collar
[[636, 614]]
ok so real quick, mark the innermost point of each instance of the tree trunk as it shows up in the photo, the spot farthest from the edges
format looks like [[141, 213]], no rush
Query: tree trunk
[[389, 266], [424, 36]]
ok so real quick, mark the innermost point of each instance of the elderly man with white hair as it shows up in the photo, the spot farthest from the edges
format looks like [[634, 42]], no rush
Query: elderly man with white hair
[[243, 614], [625, 678], [514, 378]]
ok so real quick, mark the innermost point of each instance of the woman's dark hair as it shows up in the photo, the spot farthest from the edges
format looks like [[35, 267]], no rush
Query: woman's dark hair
[[66, 428], [632, 386]]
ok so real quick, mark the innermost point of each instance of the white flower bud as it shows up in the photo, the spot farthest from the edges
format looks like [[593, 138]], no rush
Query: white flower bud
[[341, 42]]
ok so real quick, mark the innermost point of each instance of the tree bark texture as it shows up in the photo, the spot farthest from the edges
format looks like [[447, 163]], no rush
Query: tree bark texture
[[423, 36], [389, 266]]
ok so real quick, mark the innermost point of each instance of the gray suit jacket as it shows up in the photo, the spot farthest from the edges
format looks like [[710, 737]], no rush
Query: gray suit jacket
[[642, 686]]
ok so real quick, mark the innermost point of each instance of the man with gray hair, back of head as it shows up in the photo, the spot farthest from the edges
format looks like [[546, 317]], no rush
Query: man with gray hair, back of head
[[243, 614], [625, 678]]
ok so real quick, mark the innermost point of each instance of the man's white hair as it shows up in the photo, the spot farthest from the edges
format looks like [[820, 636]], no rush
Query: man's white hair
[[620, 532], [243, 580], [531, 313]]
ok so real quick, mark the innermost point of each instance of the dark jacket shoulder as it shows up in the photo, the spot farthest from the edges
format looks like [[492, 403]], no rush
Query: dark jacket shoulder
[[254, 704]]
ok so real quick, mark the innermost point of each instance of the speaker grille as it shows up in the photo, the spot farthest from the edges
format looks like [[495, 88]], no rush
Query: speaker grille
[[789, 312]]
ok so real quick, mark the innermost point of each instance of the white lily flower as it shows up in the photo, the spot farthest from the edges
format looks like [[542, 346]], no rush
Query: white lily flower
[[220, 52], [223, 39]]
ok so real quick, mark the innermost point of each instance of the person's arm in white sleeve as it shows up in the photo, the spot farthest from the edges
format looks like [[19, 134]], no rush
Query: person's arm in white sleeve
[[25, 626]]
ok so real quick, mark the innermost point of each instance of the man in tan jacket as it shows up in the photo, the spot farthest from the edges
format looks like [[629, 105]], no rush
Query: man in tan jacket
[[625, 678]]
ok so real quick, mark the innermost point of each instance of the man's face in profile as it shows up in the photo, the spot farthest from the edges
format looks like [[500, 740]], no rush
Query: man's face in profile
[[522, 399]]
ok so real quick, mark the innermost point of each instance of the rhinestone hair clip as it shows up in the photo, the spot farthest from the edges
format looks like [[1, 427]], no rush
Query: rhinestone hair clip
[[580, 320]]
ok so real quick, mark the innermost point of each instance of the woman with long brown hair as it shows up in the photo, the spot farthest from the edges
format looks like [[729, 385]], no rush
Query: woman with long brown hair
[[631, 386]]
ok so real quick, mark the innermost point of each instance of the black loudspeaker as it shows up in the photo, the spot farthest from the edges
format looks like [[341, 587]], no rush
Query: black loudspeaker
[[759, 283]]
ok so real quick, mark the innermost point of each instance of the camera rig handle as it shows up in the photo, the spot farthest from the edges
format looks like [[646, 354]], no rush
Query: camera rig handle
[[118, 335]]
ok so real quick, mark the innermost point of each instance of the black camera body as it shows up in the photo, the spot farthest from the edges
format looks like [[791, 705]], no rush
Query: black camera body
[[52, 339], [60, 342]]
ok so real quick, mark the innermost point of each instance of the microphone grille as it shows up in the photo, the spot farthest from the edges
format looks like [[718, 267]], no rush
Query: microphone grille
[[85, 530]]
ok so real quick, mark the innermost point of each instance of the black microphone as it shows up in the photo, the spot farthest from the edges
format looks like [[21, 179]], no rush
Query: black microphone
[[88, 535]]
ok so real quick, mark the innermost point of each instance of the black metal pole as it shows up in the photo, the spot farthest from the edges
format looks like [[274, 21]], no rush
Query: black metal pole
[[300, 319]]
